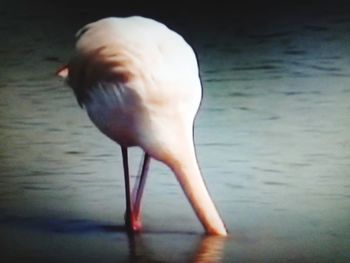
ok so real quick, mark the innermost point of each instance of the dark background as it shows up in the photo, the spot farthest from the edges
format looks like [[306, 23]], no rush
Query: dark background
[[210, 12]]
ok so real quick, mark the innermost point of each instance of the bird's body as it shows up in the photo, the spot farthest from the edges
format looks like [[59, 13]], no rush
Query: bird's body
[[140, 85]]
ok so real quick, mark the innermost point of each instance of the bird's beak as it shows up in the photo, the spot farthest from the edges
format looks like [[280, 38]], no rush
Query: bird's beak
[[62, 71]]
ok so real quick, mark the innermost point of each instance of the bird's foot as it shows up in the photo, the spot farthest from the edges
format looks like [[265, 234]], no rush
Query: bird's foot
[[133, 223]]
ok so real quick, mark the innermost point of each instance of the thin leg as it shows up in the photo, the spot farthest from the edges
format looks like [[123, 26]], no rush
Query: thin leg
[[139, 188], [128, 213]]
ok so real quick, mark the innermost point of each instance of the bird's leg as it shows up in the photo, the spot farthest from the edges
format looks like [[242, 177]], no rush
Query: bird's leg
[[139, 188], [128, 213]]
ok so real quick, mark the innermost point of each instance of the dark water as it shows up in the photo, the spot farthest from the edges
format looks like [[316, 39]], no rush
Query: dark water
[[272, 139]]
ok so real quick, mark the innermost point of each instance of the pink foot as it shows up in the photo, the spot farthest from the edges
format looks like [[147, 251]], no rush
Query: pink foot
[[133, 223], [136, 224]]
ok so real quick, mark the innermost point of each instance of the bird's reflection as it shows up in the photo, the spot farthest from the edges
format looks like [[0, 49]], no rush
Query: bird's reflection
[[208, 249]]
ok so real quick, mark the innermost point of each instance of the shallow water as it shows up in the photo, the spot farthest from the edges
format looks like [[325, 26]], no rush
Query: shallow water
[[272, 142]]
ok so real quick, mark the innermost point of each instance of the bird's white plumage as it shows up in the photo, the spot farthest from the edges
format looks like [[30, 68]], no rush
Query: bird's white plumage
[[140, 85]]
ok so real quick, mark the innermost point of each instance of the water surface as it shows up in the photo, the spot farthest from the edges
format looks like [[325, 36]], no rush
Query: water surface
[[272, 139]]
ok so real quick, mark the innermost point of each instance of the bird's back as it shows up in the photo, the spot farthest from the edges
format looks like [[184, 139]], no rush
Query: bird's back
[[131, 49]]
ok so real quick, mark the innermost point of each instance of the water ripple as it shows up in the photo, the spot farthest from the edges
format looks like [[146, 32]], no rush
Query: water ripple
[[277, 34]]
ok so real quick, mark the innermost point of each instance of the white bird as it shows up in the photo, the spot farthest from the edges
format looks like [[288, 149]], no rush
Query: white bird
[[139, 83]]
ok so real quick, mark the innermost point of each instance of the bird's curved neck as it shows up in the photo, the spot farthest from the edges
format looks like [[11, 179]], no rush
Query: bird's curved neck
[[189, 176]]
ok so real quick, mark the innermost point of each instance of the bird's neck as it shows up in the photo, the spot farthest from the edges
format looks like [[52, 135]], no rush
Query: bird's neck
[[189, 176]]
